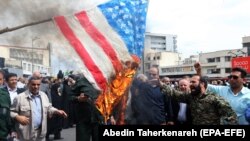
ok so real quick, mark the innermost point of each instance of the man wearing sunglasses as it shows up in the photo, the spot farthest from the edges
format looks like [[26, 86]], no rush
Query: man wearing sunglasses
[[236, 94]]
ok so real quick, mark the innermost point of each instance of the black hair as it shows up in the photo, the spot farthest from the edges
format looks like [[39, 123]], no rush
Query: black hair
[[2, 72], [33, 78], [242, 71], [73, 76], [60, 74], [9, 75], [204, 79]]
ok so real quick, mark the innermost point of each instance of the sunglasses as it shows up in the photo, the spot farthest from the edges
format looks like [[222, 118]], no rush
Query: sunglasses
[[233, 76]]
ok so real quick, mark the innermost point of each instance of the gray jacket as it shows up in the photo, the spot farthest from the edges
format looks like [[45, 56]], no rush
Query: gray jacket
[[22, 106]]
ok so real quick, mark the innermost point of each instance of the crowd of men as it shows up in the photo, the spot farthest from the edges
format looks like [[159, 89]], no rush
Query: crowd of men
[[32, 110], [193, 100]]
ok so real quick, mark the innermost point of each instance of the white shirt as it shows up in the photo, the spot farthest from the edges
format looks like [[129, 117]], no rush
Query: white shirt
[[13, 94]]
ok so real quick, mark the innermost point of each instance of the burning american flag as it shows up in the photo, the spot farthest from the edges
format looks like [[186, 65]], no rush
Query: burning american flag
[[104, 38]]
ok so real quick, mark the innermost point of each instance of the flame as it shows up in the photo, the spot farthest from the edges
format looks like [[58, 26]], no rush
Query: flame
[[109, 98], [122, 108]]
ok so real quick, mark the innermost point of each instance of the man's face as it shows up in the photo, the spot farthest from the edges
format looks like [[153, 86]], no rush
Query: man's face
[[195, 85], [166, 80], [235, 80], [34, 86], [12, 82], [153, 74], [184, 85]]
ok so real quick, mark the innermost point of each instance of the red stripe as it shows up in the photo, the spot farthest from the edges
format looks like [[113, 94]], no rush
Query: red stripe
[[82, 52], [99, 39]]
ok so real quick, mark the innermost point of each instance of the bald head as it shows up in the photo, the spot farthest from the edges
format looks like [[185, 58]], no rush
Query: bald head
[[153, 73], [166, 80], [142, 77], [184, 85], [37, 74]]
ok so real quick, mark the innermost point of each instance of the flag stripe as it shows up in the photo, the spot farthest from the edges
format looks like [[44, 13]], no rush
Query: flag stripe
[[96, 52], [99, 39], [82, 52], [96, 17], [93, 49]]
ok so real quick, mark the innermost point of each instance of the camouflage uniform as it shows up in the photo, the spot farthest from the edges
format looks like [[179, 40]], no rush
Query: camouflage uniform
[[206, 109]]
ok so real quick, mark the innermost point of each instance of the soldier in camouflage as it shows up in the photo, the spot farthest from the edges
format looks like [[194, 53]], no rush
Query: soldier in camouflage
[[206, 109]]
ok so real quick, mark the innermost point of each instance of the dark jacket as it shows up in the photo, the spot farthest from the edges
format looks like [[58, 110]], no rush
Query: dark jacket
[[86, 111], [5, 121], [19, 90], [149, 105]]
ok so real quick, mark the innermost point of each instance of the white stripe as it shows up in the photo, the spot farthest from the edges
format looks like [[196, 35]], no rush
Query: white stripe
[[100, 22], [96, 53], [71, 58]]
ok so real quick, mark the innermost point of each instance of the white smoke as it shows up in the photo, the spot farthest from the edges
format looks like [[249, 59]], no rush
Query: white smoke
[[15, 13]]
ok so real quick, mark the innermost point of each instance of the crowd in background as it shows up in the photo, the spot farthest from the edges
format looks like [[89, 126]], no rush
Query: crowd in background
[[153, 100]]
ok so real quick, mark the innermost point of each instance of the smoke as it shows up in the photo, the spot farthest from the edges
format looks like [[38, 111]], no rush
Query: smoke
[[15, 13]]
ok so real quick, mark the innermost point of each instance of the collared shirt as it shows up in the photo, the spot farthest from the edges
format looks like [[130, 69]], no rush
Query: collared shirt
[[238, 102], [37, 110], [182, 112], [13, 93]]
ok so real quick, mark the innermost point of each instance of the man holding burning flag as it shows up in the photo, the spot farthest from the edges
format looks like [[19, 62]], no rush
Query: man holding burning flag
[[104, 50]]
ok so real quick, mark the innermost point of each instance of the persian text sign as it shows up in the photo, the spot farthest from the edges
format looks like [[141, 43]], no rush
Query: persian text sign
[[242, 62]]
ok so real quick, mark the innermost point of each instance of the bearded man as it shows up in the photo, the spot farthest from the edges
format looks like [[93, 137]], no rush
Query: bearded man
[[206, 109]]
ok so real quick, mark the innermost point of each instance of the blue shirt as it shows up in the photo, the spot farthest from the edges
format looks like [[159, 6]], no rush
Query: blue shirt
[[238, 102], [37, 110]]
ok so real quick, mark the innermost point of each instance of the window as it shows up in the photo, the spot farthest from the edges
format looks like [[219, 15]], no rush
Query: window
[[216, 71], [164, 70], [178, 69], [213, 71], [217, 59], [156, 66], [158, 58], [148, 58], [228, 70], [210, 60], [24, 66], [228, 58], [29, 67]]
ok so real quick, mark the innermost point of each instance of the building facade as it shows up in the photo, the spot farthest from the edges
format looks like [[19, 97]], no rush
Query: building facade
[[215, 65], [161, 42], [218, 64], [160, 59], [246, 44], [159, 50], [183, 68], [28, 59]]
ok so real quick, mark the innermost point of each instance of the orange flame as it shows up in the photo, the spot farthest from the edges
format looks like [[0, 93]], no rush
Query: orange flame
[[109, 98]]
